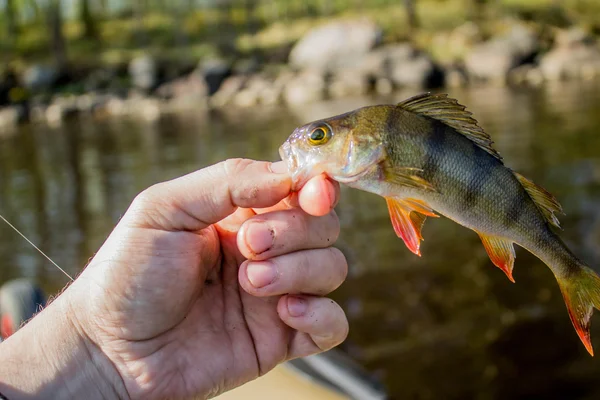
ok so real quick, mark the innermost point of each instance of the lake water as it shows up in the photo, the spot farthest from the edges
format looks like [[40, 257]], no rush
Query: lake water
[[448, 325]]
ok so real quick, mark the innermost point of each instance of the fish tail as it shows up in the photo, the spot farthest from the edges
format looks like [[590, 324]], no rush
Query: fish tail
[[580, 288]]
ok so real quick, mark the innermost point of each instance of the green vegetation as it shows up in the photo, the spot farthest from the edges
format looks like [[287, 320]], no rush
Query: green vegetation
[[111, 32]]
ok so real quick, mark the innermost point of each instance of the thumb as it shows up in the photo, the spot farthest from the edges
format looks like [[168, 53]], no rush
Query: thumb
[[197, 200]]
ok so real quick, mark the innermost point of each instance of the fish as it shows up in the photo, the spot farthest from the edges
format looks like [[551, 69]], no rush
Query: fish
[[428, 157]]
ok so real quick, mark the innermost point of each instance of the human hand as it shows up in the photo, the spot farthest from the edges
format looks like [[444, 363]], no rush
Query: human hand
[[192, 296]]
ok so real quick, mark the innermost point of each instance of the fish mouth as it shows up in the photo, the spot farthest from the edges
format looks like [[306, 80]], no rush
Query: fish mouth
[[299, 176], [350, 178], [287, 155]]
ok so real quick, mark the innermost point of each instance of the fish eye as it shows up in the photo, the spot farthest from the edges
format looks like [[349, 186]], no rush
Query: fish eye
[[319, 135]]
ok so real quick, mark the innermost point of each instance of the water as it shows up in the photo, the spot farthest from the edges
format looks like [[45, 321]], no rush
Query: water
[[448, 325]]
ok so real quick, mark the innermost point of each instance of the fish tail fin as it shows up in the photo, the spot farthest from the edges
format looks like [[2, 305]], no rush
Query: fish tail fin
[[581, 291]]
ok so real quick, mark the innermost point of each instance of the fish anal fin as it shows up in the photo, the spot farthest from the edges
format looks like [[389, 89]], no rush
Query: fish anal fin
[[501, 251], [449, 112], [408, 217], [545, 201], [404, 176]]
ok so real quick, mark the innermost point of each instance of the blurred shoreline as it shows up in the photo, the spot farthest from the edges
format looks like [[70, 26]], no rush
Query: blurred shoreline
[[270, 54]]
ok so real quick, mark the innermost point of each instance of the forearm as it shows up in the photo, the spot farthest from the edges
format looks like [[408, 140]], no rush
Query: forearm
[[51, 358]]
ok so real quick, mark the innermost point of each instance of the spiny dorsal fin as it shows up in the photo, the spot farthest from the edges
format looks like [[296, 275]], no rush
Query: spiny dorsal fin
[[448, 111], [547, 203]]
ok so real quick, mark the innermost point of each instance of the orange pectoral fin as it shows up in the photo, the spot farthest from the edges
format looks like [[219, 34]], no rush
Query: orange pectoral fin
[[501, 252], [408, 217]]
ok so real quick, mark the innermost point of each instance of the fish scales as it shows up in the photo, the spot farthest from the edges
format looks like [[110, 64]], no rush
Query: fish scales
[[428, 156]]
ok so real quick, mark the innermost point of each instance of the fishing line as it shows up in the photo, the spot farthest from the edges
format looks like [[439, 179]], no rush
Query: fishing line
[[37, 248]]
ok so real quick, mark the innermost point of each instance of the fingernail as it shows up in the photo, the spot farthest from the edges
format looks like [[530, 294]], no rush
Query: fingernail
[[296, 306], [260, 274], [259, 237], [279, 167]]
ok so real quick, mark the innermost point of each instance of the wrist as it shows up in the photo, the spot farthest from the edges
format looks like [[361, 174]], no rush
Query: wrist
[[51, 357]]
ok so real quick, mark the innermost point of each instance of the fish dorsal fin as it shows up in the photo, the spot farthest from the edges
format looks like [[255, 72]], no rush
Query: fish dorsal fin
[[501, 251], [546, 203], [450, 112], [408, 217]]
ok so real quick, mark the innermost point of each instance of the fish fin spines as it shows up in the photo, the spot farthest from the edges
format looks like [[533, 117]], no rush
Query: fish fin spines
[[501, 252], [407, 221], [450, 112], [544, 200], [581, 292]]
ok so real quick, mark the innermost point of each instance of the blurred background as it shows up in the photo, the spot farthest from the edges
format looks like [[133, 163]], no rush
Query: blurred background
[[100, 99]]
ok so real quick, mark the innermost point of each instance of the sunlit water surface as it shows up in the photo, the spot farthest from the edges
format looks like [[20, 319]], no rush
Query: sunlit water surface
[[448, 325]]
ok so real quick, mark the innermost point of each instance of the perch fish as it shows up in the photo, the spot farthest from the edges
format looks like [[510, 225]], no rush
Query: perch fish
[[427, 156]]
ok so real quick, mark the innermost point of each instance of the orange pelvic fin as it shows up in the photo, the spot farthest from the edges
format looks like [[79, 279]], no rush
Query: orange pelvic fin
[[408, 217], [581, 291], [501, 252]]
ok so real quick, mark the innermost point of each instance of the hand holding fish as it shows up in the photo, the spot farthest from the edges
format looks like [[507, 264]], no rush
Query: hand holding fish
[[207, 282]]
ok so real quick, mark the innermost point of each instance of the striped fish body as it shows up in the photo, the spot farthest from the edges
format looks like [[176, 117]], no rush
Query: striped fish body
[[427, 157], [472, 187]]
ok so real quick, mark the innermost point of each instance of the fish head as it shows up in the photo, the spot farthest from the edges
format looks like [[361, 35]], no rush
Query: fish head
[[336, 146]]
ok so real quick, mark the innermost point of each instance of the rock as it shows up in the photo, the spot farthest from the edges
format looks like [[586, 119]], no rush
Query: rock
[[403, 65], [274, 93], [116, 106], [215, 71], [494, 59], [99, 79], [418, 71], [335, 45], [9, 117], [148, 108], [137, 106], [40, 77], [250, 94], [60, 109], [190, 86], [306, 87], [246, 66], [89, 102], [456, 77], [143, 71], [384, 86], [230, 87], [348, 82], [262, 89], [575, 55]]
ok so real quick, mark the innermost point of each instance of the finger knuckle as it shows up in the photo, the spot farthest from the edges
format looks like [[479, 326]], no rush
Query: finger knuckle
[[235, 170], [234, 166], [340, 264], [146, 206], [302, 272]]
